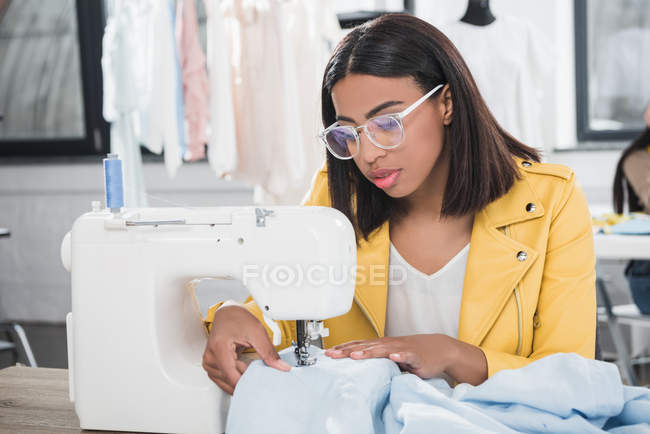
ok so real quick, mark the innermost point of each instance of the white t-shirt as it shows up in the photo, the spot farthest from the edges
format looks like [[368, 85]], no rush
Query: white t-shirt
[[421, 303]]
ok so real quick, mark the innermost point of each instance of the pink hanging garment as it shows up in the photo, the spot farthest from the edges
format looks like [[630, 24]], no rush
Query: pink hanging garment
[[195, 79]]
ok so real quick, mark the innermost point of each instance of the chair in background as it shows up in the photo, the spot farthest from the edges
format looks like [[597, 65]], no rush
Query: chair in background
[[614, 316], [18, 343]]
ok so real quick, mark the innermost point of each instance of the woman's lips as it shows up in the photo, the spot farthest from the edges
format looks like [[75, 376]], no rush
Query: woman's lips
[[387, 181]]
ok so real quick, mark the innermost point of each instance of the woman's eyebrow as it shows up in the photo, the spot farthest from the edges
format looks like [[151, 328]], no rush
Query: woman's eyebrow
[[372, 112], [380, 107]]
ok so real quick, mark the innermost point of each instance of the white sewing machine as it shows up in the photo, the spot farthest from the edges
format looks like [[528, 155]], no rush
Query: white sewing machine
[[135, 334]]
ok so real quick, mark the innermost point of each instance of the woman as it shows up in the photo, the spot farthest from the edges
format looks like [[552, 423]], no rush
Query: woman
[[441, 188], [633, 171]]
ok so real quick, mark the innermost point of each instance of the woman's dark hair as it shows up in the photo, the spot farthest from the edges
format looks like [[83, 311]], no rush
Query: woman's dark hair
[[620, 182], [481, 167]]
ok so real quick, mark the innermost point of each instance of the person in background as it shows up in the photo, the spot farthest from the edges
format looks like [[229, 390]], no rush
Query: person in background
[[633, 175]]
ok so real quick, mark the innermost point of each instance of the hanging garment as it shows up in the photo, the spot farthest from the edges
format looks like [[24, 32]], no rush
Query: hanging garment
[[195, 80], [256, 89], [277, 56], [222, 145], [510, 62], [317, 22], [161, 116], [180, 109], [141, 97], [123, 67]]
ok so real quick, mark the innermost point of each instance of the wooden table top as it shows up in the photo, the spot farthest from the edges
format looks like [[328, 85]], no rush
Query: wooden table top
[[35, 400]]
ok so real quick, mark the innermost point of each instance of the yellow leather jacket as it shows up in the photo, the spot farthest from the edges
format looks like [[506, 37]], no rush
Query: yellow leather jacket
[[529, 288]]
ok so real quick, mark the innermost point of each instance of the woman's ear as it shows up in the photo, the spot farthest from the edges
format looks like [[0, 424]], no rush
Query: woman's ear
[[446, 106]]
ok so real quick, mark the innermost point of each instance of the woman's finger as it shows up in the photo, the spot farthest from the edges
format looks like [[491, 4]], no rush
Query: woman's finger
[[353, 343], [223, 366], [406, 357], [372, 352], [213, 370], [263, 346], [241, 366], [223, 385], [345, 349]]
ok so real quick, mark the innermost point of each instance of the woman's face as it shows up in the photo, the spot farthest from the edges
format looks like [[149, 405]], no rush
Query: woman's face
[[356, 99]]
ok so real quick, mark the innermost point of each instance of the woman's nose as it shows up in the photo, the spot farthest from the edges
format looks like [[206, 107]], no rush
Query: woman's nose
[[368, 151]]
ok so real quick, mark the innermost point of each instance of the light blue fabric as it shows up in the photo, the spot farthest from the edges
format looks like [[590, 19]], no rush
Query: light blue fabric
[[635, 226], [559, 393], [331, 396]]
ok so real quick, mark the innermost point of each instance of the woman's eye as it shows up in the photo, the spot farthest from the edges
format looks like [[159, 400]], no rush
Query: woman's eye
[[386, 123]]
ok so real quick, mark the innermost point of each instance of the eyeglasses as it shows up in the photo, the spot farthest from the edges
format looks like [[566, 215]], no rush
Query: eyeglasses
[[384, 131]]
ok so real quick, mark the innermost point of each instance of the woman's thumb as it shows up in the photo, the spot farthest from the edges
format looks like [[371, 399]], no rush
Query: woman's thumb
[[267, 352]]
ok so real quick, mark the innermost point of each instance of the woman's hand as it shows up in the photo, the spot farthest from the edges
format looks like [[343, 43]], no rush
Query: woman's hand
[[233, 330], [425, 355]]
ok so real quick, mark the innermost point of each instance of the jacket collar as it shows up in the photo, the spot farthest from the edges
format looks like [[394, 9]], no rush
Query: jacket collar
[[493, 269]]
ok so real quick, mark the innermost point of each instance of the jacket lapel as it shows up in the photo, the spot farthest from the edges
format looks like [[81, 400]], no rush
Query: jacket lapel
[[493, 269]]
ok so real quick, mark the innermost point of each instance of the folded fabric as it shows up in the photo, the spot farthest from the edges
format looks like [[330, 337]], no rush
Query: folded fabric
[[331, 396], [635, 226], [559, 393]]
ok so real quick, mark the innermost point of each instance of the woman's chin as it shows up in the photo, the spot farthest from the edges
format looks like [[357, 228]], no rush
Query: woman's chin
[[397, 192]]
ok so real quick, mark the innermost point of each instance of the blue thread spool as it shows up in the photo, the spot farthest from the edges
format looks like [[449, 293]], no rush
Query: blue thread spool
[[113, 183]]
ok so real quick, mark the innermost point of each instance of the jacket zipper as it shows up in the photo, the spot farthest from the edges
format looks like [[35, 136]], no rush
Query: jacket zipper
[[518, 301]]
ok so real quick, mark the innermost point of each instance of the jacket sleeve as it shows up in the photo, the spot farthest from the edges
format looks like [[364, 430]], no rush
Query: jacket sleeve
[[318, 195], [565, 321]]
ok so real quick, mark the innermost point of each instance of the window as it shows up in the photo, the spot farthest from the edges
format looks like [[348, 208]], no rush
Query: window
[[50, 78], [351, 14], [612, 45]]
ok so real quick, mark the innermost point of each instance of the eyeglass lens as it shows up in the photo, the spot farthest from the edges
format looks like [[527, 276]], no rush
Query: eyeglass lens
[[383, 130]]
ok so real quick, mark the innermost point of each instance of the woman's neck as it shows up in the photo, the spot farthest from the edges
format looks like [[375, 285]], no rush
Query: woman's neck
[[427, 199], [424, 206]]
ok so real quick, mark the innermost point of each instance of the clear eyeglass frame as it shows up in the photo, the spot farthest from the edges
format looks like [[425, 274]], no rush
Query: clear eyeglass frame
[[397, 117]]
